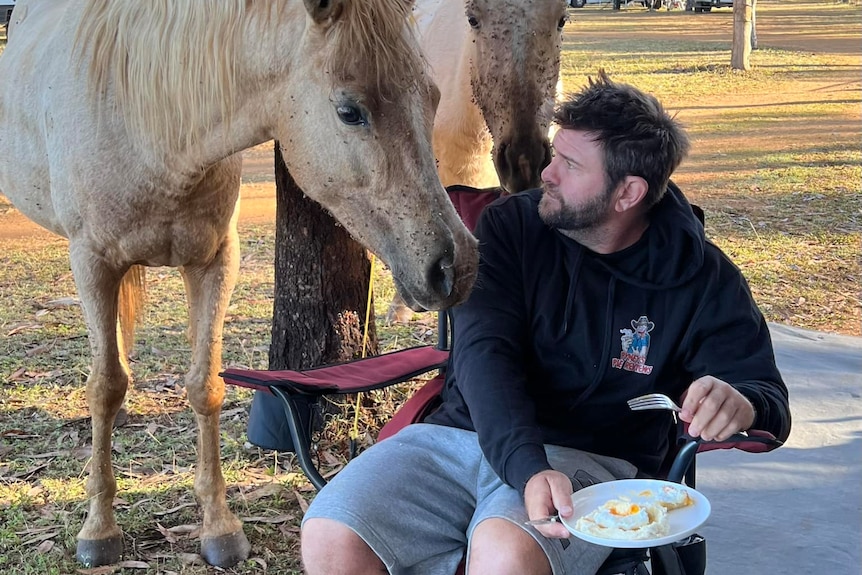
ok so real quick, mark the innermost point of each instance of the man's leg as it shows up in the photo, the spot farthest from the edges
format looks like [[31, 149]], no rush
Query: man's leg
[[499, 547], [331, 548], [408, 499]]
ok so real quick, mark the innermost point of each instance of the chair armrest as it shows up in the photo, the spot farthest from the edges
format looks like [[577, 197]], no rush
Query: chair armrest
[[752, 441], [364, 374]]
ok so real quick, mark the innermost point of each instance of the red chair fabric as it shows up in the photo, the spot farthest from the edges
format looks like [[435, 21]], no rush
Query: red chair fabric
[[351, 377]]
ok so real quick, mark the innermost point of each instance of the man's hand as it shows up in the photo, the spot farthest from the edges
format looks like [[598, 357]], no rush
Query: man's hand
[[715, 410], [548, 493]]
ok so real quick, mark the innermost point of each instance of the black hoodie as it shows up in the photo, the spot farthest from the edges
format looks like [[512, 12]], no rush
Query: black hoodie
[[555, 338]]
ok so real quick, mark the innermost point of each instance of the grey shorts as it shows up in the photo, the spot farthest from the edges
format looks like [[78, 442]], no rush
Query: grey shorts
[[416, 497]]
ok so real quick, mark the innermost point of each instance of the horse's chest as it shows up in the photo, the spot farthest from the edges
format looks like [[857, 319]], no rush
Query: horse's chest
[[165, 234]]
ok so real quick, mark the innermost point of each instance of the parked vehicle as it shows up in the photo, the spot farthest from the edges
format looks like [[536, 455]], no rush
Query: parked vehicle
[[708, 5], [6, 7], [617, 4]]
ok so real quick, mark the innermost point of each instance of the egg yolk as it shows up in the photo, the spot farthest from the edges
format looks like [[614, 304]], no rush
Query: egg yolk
[[628, 510]]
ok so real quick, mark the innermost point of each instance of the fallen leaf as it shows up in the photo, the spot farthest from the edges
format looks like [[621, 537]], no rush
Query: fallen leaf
[[329, 458], [191, 530], [18, 374], [173, 509], [232, 412], [99, 570], [276, 519], [190, 559], [303, 504], [45, 547], [133, 565], [38, 350], [17, 434], [269, 490], [51, 454], [61, 302], [169, 537], [27, 473], [40, 538], [22, 327]]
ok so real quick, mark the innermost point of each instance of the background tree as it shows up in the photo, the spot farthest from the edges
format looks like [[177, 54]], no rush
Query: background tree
[[744, 35]]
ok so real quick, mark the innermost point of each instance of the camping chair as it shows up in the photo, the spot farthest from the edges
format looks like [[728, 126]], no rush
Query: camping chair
[[298, 391]]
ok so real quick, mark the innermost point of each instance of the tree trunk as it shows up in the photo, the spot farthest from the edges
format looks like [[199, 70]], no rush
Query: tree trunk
[[754, 24], [740, 56], [321, 283], [321, 290]]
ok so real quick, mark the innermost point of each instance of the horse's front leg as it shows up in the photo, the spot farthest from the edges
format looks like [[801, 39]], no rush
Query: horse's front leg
[[209, 288], [100, 541]]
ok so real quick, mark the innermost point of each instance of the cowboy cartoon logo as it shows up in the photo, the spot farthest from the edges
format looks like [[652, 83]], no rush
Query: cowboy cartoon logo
[[635, 347]]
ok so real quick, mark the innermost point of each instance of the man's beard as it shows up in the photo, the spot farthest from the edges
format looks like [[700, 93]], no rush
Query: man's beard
[[581, 218]]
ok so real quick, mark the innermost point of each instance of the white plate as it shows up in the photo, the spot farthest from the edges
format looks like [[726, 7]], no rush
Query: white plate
[[683, 522]]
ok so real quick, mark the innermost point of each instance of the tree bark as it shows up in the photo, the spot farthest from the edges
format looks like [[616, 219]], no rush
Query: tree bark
[[321, 283], [743, 14], [754, 24]]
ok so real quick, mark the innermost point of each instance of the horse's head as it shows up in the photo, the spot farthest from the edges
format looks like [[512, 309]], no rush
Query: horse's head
[[514, 80], [355, 133]]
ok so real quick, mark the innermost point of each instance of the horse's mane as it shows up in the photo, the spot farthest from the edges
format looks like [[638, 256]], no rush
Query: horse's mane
[[369, 41], [171, 63]]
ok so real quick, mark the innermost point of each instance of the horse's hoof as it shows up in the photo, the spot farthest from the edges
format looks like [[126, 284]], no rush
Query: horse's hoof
[[225, 550], [98, 552]]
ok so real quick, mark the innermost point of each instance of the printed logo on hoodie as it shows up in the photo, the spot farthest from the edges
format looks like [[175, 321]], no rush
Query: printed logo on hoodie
[[635, 347]]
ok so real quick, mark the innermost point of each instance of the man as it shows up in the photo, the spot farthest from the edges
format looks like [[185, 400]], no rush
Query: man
[[535, 401]]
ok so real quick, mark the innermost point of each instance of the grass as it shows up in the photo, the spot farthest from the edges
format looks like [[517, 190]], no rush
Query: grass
[[775, 162]]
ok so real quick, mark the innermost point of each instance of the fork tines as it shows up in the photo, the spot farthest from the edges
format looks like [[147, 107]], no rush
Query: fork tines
[[647, 404], [652, 401]]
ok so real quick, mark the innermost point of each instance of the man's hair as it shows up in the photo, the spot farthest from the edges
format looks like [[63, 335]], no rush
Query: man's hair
[[637, 136]]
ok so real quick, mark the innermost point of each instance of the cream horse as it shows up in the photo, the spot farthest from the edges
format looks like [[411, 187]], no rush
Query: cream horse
[[497, 65], [120, 127]]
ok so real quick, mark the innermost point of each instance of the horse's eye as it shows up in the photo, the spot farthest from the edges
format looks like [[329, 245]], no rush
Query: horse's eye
[[351, 115], [562, 22], [473, 22]]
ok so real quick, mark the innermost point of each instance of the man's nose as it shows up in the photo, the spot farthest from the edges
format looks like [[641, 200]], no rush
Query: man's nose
[[547, 172]]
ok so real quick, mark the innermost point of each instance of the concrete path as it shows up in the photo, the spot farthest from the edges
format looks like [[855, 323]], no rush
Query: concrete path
[[798, 509]]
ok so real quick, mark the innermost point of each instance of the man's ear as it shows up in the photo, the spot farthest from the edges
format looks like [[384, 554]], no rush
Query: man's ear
[[324, 11], [630, 193]]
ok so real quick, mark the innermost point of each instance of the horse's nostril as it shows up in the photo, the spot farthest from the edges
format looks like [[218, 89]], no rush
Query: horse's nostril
[[441, 276], [502, 159]]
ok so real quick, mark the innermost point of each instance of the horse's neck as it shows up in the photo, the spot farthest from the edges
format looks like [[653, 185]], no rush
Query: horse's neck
[[258, 96]]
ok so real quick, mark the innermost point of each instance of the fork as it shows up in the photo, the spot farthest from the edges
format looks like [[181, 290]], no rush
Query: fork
[[653, 401]]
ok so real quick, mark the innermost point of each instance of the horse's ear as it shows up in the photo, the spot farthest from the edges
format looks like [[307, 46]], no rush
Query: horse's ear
[[325, 11]]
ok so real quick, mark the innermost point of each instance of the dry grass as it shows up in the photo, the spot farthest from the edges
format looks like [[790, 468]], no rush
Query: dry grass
[[776, 164]]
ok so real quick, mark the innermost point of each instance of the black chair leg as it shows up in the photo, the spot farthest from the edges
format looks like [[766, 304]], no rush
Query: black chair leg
[[301, 442]]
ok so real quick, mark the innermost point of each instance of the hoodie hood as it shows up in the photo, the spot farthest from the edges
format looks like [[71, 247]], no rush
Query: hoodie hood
[[670, 252]]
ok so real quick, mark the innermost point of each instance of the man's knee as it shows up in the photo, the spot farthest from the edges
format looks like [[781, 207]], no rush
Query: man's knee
[[500, 547], [332, 548]]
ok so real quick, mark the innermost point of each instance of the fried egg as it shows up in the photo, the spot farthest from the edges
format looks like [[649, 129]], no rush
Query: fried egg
[[669, 496], [624, 519]]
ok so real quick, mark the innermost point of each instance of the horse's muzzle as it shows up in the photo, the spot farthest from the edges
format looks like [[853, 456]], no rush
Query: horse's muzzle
[[447, 280], [520, 162]]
